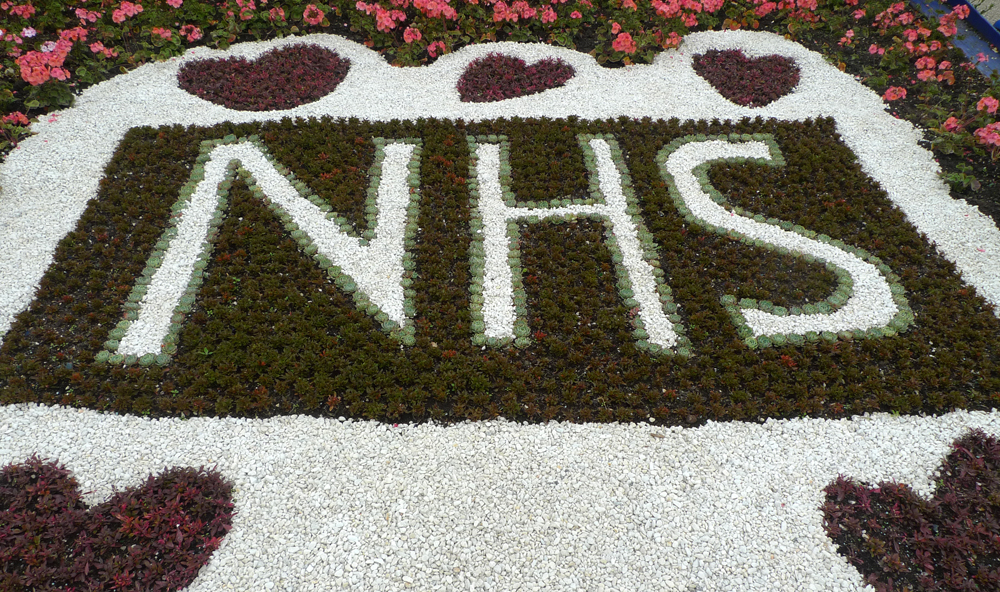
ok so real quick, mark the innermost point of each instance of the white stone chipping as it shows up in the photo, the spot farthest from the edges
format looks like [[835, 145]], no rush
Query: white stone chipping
[[330, 505]]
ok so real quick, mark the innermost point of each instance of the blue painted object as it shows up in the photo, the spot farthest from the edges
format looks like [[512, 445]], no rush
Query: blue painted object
[[975, 33]]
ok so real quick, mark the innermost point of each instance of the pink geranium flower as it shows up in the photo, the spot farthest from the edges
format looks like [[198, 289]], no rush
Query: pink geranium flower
[[313, 15], [175, 3], [125, 10], [192, 33], [576, 15], [87, 15], [952, 124], [894, 92], [624, 43], [16, 118], [276, 14], [549, 15], [435, 47], [989, 135], [410, 35], [988, 103], [615, 28], [161, 32]]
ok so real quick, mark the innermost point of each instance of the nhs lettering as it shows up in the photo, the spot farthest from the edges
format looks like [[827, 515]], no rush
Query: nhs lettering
[[377, 269]]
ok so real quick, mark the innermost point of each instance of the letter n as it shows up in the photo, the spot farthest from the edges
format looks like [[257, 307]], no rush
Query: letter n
[[499, 314], [375, 268]]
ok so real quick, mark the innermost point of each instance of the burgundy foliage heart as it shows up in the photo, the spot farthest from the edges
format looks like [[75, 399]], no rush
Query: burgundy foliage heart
[[280, 79], [153, 537], [497, 77], [899, 541], [751, 82]]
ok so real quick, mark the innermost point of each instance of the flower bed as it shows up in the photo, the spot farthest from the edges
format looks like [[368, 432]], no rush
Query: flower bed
[[801, 289], [747, 261]]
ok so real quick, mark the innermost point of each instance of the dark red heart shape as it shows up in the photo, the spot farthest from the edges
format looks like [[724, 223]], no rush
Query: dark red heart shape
[[280, 79], [497, 77], [900, 541], [751, 82], [153, 537]]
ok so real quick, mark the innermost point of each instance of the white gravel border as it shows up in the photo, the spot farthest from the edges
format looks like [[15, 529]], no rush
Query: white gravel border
[[331, 505]]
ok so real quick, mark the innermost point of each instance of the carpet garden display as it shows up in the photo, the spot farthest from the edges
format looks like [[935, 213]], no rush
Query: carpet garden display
[[738, 231]]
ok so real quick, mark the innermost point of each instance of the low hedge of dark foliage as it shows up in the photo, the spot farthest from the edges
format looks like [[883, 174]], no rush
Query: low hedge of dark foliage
[[280, 79], [751, 82], [153, 537], [497, 77], [900, 541]]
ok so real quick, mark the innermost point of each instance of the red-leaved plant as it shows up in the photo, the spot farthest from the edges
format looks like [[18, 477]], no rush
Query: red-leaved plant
[[153, 537], [497, 77], [899, 541], [280, 79], [751, 82]]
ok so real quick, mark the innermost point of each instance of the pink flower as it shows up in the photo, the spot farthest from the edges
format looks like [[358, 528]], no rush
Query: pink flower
[[873, 49], [629, 4], [851, 2], [961, 11], [951, 124], [808, 4], [87, 15], [981, 57], [925, 74], [524, 9], [926, 62], [712, 5], [765, 9], [948, 30], [313, 15], [615, 28], [576, 15], [859, 14], [988, 103], [435, 47], [410, 35], [175, 3], [944, 65], [278, 14], [24, 11], [911, 34], [894, 92], [74, 34], [989, 135], [160, 31], [193, 33], [549, 15], [624, 43], [17, 118], [689, 19]]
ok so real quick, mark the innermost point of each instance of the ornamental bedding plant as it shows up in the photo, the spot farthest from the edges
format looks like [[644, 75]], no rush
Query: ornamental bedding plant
[[497, 77], [751, 82], [900, 541], [280, 79], [153, 537]]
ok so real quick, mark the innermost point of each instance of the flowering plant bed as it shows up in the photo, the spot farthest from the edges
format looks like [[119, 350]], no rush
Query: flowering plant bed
[[610, 249], [787, 304]]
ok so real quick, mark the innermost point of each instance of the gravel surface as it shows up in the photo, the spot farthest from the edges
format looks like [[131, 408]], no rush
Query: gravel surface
[[330, 505]]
